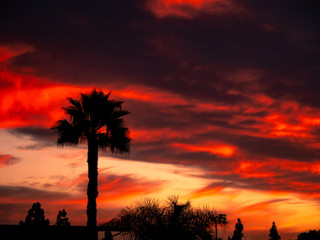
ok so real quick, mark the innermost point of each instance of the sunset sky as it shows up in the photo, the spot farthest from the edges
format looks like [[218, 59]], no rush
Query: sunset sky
[[223, 98]]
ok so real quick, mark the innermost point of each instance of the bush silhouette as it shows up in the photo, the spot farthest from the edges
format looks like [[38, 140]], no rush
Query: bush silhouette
[[311, 235]]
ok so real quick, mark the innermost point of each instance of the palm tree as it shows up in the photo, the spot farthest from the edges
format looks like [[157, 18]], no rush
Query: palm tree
[[97, 120]]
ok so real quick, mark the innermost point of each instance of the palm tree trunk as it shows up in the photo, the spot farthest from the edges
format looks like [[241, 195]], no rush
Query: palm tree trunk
[[92, 190]]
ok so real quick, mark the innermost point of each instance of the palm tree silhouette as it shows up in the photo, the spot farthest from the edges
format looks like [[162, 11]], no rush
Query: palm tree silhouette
[[97, 120]]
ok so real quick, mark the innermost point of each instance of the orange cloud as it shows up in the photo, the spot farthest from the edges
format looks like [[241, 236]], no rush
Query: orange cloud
[[125, 187], [260, 207], [281, 126], [253, 169], [219, 149], [313, 121], [149, 94], [154, 135], [188, 8], [112, 187], [37, 106], [196, 3], [205, 192]]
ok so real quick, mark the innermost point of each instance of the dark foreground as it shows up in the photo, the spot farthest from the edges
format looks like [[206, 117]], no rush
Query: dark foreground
[[16, 232]]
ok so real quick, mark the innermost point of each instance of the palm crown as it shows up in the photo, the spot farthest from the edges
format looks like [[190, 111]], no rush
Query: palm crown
[[94, 117]]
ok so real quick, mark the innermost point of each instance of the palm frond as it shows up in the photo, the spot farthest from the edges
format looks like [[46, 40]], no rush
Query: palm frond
[[119, 140], [67, 134], [120, 113]]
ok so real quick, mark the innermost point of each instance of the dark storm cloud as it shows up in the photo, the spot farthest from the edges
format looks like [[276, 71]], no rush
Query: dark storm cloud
[[295, 67], [269, 48], [122, 41], [231, 43], [162, 153], [29, 194], [146, 114], [269, 147], [300, 182], [83, 40], [43, 137]]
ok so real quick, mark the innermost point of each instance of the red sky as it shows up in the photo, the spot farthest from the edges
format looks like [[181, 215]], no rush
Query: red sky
[[223, 98]]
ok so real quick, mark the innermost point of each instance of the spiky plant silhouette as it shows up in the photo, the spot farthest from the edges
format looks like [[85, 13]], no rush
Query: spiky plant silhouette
[[150, 219]]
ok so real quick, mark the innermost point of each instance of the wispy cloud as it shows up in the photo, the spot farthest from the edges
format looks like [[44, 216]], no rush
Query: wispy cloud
[[7, 160]]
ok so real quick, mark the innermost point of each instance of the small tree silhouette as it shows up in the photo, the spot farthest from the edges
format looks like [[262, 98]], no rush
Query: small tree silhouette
[[35, 216], [62, 220], [237, 234], [274, 232], [219, 219]]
